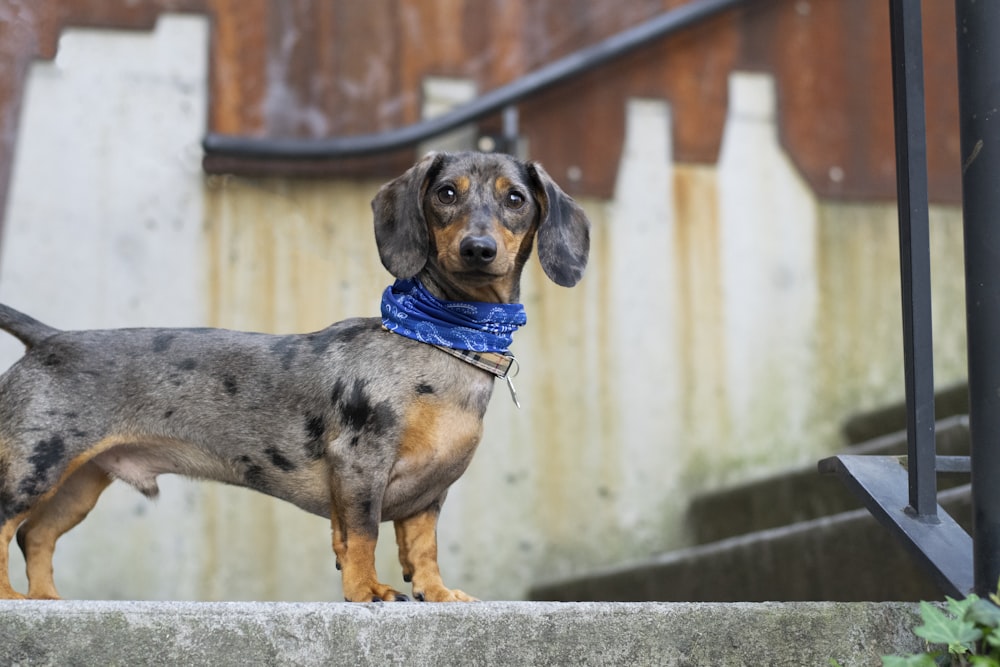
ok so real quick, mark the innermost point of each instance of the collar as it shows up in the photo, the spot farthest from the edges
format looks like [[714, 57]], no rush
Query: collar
[[475, 332], [494, 363]]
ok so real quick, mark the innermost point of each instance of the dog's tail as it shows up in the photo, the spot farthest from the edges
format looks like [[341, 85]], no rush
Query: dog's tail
[[26, 329]]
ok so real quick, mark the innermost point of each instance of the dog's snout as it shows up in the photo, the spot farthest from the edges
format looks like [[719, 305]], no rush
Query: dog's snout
[[478, 250]]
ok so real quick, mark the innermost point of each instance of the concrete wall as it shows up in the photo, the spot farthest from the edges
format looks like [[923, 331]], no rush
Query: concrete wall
[[729, 320]]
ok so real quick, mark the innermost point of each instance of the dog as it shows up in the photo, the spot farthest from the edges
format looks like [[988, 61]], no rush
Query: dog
[[358, 422]]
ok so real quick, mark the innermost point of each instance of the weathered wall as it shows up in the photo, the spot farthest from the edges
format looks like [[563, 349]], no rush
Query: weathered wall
[[729, 320]]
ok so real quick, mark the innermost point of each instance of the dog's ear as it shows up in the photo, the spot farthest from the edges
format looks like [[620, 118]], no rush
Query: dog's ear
[[400, 228], [563, 232]]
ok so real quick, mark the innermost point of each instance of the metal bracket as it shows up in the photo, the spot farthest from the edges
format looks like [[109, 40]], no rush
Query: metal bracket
[[937, 541]]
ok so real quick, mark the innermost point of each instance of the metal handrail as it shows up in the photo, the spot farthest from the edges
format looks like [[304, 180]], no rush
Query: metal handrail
[[905, 502], [565, 68]]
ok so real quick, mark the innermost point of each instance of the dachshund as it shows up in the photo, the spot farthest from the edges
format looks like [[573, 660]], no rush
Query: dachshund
[[355, 422]]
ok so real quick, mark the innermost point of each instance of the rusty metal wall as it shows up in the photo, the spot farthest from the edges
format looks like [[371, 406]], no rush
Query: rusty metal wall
[[337, 67]]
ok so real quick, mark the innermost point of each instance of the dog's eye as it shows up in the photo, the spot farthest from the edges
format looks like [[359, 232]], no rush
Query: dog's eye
[[515, 199], [446, 194]]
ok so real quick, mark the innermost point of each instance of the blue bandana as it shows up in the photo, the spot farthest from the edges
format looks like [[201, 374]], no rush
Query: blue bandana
[[409, 310]]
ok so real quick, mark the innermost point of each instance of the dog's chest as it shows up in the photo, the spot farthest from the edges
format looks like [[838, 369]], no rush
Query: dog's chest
[[437, 442]]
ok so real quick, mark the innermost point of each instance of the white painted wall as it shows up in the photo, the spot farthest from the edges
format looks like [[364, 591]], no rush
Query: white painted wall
[[728, 321], [103, 228]]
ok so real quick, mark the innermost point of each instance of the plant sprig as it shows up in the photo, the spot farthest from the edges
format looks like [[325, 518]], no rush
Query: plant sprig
[[968, 630]]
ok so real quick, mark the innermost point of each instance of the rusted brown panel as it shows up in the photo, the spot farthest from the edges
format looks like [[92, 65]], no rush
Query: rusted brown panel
[[237, 69], [832, 65], [362, 58], [944, 162], [577, 129], [338, 68]]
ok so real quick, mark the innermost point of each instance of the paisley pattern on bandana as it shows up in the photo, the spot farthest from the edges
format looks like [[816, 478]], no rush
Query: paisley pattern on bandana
[[409, 310]]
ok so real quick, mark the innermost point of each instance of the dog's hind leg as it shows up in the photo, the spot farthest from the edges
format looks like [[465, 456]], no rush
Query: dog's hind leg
[[416, 538], [7, 530], [53, 517]]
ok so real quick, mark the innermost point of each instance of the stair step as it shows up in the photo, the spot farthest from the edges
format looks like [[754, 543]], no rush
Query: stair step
[[845, 557], [802, 494], [865, 426], [495, 633]]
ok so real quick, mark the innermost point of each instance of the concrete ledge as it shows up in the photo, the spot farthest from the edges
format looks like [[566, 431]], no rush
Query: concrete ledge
[[496, 633]]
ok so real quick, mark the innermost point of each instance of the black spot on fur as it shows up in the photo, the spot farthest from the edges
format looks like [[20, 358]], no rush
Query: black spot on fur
[[357, 411], [229, 384], [77, 433], [315, 431], [168, 414], [337, 393], [279, 460], [253, 474], [46, 455], [355, 440], [52, 360], [424, 388], [187, 364], [383, 418], [162, 342], [286, 348], [315, 426], [356, 408]]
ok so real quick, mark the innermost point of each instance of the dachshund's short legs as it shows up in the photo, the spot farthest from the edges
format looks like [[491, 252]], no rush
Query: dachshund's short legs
[[416, 538], [354, 539], [53, 517], [7, 531]]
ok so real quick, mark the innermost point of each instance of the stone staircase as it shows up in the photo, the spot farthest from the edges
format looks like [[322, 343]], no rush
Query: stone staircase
[[797, 535]]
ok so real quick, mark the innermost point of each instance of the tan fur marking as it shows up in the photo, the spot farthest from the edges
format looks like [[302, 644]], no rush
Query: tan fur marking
[[356, 555], [7, 531], [52, 518], [437, 435], [416, 538], [502, 185]]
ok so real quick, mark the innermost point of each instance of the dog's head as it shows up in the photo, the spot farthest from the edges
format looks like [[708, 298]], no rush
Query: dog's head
[[471, 219]]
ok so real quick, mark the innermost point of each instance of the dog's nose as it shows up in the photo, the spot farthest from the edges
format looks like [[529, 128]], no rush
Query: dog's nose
[[478, 250]]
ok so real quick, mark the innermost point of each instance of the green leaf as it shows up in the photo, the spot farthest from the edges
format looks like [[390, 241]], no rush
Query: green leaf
[[983, 661], [984, 613], [918, 660], [938, 628], [959, 607]]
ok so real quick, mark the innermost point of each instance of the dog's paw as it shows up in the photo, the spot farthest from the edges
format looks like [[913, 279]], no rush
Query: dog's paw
[[375, 593], [442, 594]]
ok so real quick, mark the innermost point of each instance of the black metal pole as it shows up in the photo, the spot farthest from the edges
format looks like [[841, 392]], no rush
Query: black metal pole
[[978, 41], [914, 252]]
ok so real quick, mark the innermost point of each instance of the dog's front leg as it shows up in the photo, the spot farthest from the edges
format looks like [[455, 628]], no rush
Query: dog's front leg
[[354, 538], [416, 538]]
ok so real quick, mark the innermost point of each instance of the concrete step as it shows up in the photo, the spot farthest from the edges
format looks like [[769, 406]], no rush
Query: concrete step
[[844, 557], [803, 494], [498, 633], [865, 426]]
